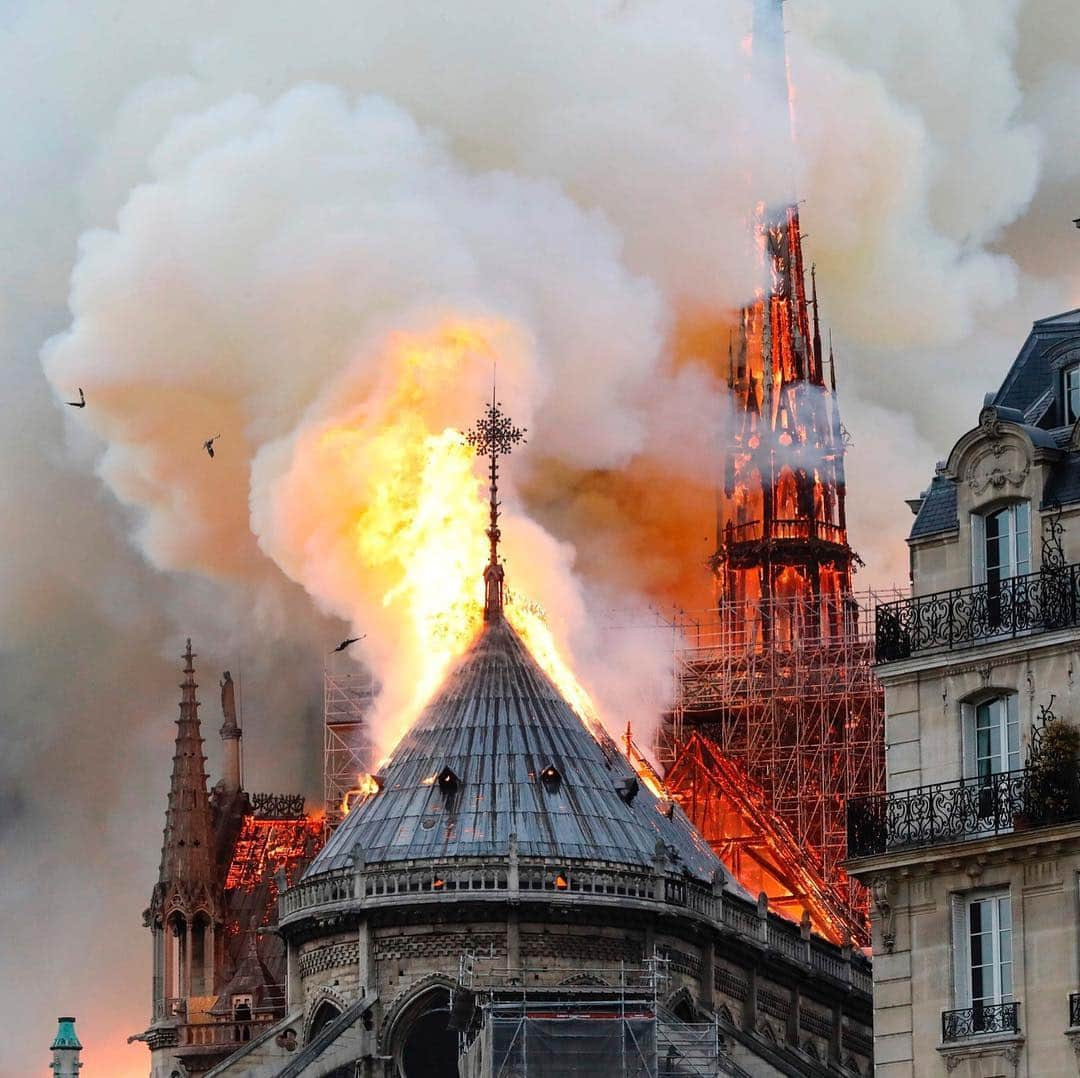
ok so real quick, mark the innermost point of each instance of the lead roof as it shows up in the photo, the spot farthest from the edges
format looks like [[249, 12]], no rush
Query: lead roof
[[498, 722]]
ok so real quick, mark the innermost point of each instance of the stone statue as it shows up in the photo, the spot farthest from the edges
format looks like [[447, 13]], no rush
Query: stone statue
[[228, 700]]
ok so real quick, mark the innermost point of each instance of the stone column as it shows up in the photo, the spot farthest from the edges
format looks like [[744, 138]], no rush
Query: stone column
[[209, 961], [708, 975], [367, 973], [513, 939], [185, 982], [294, 989]]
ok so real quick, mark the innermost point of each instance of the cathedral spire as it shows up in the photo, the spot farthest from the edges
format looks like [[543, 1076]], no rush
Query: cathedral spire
[[187, 853], [782, 549], [494, 435]]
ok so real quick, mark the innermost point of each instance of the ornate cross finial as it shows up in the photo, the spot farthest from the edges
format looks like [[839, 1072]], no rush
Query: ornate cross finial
[[494, 435]]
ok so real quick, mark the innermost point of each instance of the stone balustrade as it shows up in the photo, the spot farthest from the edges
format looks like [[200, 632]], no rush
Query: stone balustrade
[[516, 878]]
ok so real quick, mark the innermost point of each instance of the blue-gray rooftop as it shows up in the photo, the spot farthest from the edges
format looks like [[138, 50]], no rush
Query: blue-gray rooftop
[[1030, 396], [496, 725]]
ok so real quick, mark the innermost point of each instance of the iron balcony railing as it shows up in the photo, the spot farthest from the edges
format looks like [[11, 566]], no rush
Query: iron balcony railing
[[964, 617], [979, 1019], [965, 809], [1074, 1010]]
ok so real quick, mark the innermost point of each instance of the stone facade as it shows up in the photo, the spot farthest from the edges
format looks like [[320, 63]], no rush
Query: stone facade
[[972, 667]]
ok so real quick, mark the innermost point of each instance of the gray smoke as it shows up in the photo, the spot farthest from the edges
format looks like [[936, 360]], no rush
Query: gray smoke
[[210, 216]]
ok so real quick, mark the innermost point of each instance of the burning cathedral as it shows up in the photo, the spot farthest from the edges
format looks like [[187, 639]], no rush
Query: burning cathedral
[[511, 894]]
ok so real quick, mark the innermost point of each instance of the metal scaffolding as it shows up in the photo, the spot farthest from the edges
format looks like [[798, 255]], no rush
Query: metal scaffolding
[[347, 745], [801, 713], [576, 1022]]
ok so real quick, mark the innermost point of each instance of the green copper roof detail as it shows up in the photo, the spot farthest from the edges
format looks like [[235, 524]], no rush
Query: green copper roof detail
[[65, 1035]]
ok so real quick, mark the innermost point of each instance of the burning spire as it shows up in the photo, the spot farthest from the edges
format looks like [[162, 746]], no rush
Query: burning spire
[[495, 435], [781, 529]]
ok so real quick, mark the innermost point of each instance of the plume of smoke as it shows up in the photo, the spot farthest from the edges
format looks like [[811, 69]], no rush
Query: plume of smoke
[[260, 201]]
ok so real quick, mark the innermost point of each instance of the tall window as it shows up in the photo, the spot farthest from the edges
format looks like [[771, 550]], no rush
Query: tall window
[[1001, 550], [995, 740], [1008, 543], [1070, 379], [983, 938]]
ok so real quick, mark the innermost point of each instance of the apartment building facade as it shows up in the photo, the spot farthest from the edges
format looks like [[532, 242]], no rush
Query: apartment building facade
[[973, 854]]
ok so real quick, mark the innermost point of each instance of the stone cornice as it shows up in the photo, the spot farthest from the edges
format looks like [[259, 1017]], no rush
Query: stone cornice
[[970, 660], [970, 856]]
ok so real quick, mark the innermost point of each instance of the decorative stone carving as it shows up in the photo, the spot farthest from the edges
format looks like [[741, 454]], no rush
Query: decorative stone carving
[[990, 424], [880, 891], [998, 466]]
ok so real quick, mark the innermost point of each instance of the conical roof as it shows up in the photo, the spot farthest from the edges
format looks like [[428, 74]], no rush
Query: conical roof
[[473, 770], [66, 1036]]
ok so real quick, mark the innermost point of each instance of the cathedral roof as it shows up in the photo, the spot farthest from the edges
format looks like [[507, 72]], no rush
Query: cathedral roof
[[498, 752]]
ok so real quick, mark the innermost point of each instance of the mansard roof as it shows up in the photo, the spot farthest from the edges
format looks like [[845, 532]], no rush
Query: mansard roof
[[1030, 398], [499, 752]]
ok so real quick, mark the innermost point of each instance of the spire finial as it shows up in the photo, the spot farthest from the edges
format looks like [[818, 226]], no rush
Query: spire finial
[[494, 434], [189, 665]]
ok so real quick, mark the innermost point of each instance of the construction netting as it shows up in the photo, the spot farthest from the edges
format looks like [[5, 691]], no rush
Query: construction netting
[[564, 1046]]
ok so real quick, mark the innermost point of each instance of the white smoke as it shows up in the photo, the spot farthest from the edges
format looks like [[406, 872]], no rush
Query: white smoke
[[216, 214]]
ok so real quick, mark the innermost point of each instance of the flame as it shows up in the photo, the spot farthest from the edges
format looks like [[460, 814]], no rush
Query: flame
[[418, 525], [366, 786]]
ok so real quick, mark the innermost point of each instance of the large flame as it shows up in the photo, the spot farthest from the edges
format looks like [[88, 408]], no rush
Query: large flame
[[418, 526]]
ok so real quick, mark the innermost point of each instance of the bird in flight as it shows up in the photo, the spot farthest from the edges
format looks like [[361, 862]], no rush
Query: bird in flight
[[208, 445], [81, 402], [345, 643]]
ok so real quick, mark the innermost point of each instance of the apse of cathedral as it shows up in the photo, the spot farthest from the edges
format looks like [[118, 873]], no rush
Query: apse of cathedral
[[512, 894]]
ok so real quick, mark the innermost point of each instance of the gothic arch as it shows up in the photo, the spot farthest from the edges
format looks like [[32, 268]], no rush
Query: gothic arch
[[420, 1008], [683, 1005], [323, 999]]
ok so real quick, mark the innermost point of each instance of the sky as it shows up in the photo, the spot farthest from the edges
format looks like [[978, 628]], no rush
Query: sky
[[235, 219]]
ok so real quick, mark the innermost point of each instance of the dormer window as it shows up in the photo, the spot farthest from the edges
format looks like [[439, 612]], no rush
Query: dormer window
[[1070, 392]]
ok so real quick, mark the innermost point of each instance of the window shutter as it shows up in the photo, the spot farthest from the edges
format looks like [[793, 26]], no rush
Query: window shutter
[[961, 946], [967, 741], [1012, 732], [978, 549]]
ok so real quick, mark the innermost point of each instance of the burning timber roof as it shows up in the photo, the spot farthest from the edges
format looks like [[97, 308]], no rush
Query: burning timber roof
[[495, 726]]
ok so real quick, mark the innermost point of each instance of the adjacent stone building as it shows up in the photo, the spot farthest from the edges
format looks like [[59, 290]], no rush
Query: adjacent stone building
[[973, 855]]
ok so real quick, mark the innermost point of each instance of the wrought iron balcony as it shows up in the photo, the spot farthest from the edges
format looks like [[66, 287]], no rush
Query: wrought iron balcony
[[980, 1019], [1074, 1009], [964, 617], [957, 811]]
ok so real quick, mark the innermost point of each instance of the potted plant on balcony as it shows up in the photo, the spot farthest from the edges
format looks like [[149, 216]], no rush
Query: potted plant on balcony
[[1052, 787]]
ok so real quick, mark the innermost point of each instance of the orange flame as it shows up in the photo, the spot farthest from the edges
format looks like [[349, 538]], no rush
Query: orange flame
[[418, 527]]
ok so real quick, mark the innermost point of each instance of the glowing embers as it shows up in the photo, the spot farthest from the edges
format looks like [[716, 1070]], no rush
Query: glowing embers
[[266, 847]]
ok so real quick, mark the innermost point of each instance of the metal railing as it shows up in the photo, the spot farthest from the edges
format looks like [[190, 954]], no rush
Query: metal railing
[[961, 810], [1074, 1009], [979, 1019], [964, 617], [229, 1032]]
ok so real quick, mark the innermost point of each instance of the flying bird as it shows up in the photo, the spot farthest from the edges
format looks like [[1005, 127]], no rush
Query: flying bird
[[81, 402], [345, 643], [208, 445]]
